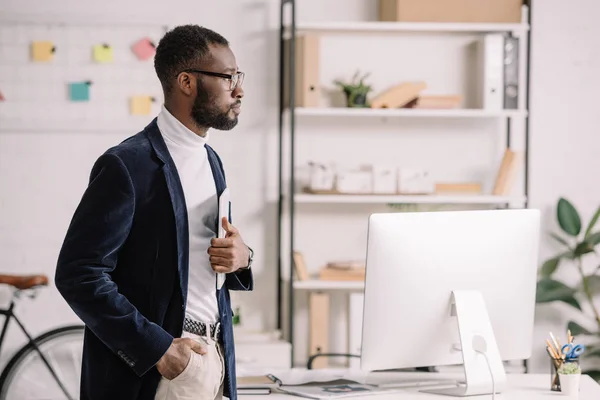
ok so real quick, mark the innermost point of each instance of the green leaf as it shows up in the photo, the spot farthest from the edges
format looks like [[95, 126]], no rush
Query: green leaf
[[583, 248], [593, 282], [592, 223], [560, 239], [549, 290], [577, 329], [549, 267], [593, 238], [568, 217], [594, 374]]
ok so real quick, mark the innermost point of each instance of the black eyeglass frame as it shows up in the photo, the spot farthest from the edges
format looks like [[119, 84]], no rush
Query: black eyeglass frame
[[233, 83]]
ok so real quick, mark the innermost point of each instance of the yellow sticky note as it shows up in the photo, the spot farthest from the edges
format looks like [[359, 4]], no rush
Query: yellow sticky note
[[141, 105], [103, 53], [42, 51]]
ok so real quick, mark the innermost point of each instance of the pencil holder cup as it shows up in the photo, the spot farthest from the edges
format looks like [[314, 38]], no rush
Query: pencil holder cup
[[555, 378]]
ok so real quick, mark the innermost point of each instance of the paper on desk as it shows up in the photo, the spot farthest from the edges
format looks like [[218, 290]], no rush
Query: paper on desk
[[224, 205], [335, 390]]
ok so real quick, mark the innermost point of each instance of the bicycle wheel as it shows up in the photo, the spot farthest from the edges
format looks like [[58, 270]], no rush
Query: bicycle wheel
[[26, 376]]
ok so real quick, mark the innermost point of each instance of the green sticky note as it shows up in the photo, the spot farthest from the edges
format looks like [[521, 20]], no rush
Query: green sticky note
[[79, 91]]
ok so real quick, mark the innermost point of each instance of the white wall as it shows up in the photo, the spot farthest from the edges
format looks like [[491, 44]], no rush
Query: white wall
[[43, 175], [565, 122]]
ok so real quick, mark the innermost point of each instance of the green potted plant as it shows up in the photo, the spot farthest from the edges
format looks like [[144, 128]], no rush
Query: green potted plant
[[577, 244], [356, 90], [570, 375]]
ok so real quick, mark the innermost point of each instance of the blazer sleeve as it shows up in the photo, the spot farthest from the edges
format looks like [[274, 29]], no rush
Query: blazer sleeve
[[99, 228]]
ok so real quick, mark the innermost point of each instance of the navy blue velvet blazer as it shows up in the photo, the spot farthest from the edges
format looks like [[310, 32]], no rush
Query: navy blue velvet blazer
[[123, 268]]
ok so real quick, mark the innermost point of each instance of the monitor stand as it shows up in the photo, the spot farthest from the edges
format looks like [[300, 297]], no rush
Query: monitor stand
[[476, 333]]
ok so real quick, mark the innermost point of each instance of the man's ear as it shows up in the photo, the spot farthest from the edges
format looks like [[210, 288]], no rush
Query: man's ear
[[187, 83]]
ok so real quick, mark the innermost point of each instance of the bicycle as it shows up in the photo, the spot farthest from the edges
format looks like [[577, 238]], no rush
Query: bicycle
[[40, 369]]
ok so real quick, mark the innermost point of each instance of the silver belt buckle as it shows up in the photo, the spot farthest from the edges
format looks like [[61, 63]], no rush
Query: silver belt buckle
[[217, 331]]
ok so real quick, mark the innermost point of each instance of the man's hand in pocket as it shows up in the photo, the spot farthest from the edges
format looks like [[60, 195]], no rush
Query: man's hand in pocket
[[174, 361]]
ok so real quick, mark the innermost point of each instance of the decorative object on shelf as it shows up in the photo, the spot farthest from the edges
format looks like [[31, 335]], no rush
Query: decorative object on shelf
[[437, 102], [356, 90], [569, 376], [458, 188], [355, 181], [144, 49], [415, 181], [43, 51], [507, 172], [103, 53], [79, 91], [343, 271], [300, 267], [385, 179], [577, 245], [476, 11], [322, 177], [402, 95]]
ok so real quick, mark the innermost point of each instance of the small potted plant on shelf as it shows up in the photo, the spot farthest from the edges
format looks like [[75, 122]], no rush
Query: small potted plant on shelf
[[569, 374], [356, 90]]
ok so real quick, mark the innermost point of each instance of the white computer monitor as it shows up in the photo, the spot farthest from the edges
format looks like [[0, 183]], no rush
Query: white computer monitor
[[438, 282]]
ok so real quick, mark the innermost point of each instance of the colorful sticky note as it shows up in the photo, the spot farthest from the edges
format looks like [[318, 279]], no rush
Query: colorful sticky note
[[141, 105], [103, 53], [144, 49], [79, 91], [42, 51]]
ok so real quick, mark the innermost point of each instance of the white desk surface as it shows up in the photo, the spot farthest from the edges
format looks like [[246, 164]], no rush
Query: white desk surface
[[520, 387]]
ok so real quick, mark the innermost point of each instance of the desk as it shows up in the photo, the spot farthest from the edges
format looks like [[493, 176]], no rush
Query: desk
[[520, 387]]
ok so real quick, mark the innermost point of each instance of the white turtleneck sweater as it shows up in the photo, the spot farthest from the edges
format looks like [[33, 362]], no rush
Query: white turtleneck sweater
[[191, 160]]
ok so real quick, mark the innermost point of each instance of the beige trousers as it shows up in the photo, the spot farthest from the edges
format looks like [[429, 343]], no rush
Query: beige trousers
[[202, 378]]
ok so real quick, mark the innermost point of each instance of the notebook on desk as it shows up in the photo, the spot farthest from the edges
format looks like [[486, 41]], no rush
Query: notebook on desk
[[260, 384]]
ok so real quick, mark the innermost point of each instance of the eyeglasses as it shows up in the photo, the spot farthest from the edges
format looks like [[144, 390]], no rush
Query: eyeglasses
[[235, 80]]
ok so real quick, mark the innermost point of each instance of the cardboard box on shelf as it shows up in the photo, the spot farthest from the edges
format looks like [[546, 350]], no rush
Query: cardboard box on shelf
[[462, 11]]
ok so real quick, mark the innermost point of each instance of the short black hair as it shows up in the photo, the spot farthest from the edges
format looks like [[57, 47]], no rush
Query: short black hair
[[181, 48]]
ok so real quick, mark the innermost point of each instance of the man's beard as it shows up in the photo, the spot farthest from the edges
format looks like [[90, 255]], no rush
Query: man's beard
[[206, 114]]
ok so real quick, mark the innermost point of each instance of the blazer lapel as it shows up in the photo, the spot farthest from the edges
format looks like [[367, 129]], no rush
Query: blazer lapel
[[178, 202]]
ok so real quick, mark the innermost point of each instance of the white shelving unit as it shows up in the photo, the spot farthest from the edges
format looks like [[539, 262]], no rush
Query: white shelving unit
[[342, 115], [401, 199], [399, 27], [320, 285], [339, 112]]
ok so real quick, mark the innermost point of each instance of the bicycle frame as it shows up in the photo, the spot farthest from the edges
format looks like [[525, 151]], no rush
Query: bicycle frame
[[9, 314]]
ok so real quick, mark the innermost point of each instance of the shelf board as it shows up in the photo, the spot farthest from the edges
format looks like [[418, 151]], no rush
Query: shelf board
[[405, 112], [397, 27], [405, 199], [315, 284]]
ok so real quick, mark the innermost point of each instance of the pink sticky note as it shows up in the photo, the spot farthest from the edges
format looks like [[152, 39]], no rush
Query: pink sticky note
[[144, 49]]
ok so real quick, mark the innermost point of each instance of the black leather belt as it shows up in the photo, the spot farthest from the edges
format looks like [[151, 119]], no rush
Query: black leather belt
[[202, 329]]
